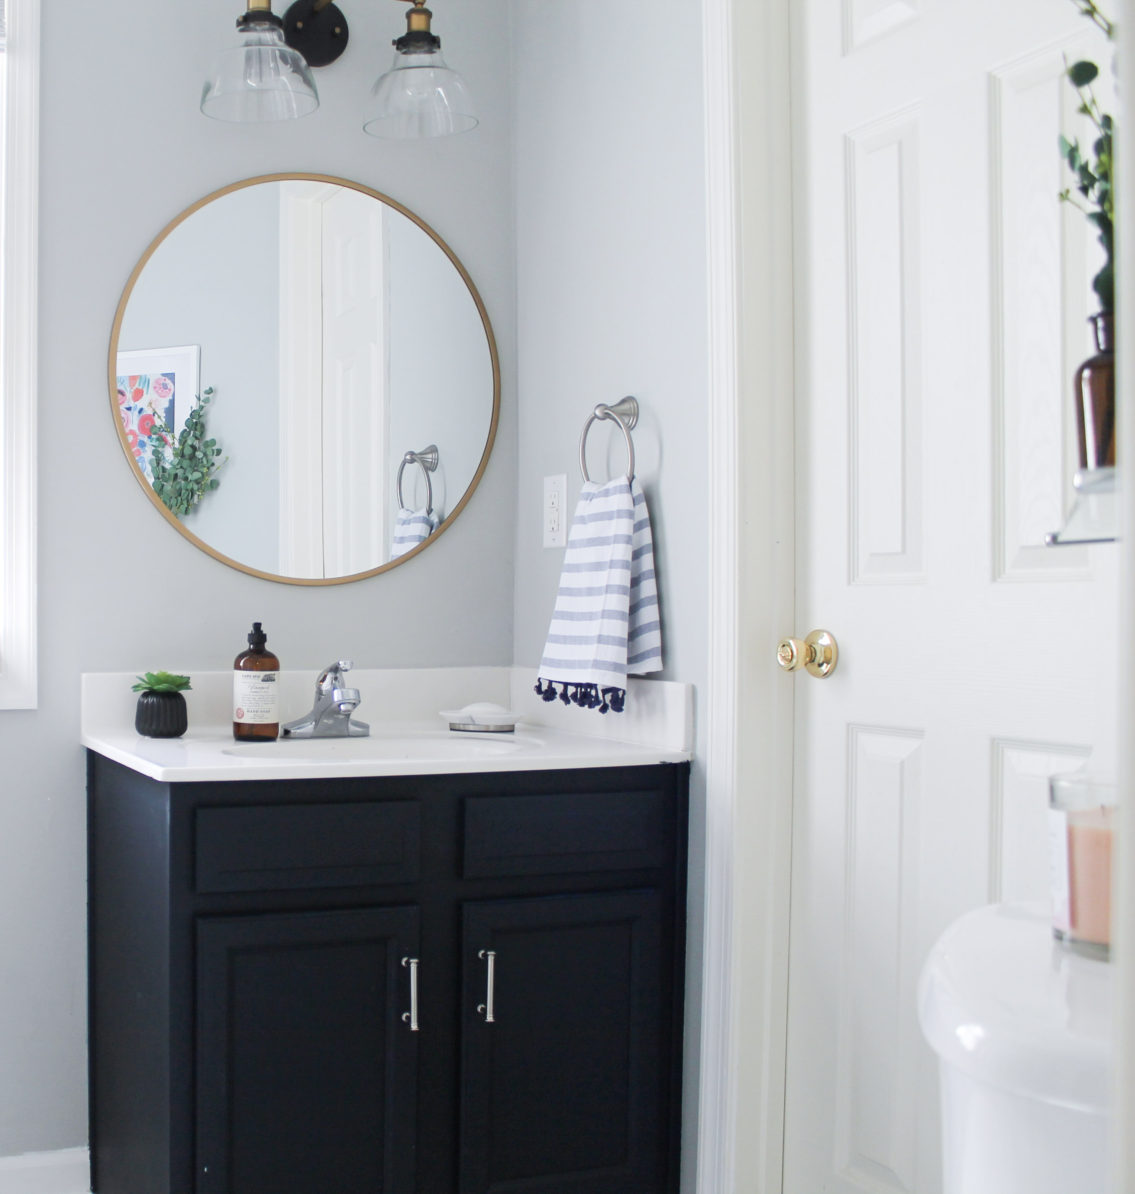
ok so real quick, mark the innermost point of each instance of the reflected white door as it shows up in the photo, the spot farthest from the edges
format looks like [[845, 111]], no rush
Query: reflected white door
[[356, 483], [941, 311], [335, 486]]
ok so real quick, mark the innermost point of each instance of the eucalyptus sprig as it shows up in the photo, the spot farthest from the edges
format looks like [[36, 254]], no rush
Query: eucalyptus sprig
[[161, 682], [1092, 12], [183, 470], [1091, 167]]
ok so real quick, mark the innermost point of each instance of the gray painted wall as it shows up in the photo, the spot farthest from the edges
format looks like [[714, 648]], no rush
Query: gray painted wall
[[215, 282], [577, 207], [611, 293], [123, 150], [456, 381], [610, 234]]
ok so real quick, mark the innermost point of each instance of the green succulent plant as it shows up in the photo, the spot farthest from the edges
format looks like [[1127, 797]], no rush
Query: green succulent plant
[[183, 468], [161, 682], [1091, 166]]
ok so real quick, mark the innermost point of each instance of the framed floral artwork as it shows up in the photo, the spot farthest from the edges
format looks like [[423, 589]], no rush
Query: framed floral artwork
[[156, 391]]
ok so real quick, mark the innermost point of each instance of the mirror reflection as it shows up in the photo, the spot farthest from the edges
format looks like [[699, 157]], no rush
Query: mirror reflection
[[304, 379]]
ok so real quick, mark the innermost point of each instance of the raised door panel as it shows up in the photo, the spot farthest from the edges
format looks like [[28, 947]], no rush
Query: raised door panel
[[306, 1070], [566, 1088]]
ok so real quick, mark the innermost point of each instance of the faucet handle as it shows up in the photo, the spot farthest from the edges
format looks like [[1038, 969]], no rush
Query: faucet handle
[[332, 675]]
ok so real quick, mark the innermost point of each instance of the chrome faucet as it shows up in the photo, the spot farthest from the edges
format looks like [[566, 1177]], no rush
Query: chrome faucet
[[331, 715]]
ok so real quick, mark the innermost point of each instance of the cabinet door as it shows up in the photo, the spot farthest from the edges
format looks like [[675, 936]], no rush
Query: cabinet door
[[565, 1077], [306, 1067]]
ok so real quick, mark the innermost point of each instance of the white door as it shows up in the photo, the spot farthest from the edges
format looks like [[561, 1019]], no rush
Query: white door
[[335, 486], [941, 311], [356, 483]]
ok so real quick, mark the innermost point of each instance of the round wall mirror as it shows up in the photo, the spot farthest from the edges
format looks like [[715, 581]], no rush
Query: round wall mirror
[[304, 379]]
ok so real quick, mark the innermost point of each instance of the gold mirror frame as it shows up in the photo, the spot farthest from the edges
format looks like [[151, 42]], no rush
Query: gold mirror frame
[[112, 378]]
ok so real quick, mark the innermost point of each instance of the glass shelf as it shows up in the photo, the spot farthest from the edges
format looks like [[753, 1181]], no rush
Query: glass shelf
[[1093, 517]]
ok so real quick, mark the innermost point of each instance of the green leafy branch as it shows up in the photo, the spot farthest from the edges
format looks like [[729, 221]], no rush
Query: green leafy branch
[[1091, 167], [1089, 9], [184, 470]]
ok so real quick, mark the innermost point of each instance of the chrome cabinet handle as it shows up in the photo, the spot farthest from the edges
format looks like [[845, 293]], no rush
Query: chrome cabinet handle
[[411, 1017], [486, 1009]]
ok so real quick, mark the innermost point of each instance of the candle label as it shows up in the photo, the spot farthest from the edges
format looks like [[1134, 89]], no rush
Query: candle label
[[1058, 869]]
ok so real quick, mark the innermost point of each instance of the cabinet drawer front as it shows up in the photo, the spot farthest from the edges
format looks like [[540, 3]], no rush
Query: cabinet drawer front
[[568, 833], [281, 847]]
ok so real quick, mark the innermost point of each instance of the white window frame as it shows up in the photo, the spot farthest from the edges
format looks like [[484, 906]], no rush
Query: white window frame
[[18, 341]]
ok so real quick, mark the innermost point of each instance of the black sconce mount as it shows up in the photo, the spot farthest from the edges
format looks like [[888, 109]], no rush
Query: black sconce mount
[[318, 29]]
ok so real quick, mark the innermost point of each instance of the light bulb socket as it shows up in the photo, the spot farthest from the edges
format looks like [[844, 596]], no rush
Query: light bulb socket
[[317, 30], [418, 42], [418, 39], [258, 16]]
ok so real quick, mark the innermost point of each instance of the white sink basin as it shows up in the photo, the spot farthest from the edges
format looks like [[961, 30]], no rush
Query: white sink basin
[[424, 746]]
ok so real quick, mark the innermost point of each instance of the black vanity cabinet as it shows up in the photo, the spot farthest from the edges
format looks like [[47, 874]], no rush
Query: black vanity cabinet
[[442, 984]]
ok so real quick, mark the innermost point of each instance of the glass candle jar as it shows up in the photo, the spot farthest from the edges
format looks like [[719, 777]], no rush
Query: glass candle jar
[[1082, 827]]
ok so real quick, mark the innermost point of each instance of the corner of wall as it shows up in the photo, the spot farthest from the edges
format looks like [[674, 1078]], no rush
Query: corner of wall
[[65, 1171]]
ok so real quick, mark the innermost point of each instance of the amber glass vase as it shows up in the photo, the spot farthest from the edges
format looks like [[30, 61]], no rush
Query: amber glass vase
[[1095, 398]]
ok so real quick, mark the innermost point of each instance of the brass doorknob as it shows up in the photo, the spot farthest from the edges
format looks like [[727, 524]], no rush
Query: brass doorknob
[[817, 654]]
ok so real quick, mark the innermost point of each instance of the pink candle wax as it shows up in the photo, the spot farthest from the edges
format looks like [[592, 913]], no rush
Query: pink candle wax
[[1089, 874]]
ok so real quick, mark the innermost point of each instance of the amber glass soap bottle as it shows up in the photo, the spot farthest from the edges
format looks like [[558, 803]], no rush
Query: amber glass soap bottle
[[256, 691]]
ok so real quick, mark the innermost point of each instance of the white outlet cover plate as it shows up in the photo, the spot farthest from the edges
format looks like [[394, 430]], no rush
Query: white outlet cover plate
[[554, 512]]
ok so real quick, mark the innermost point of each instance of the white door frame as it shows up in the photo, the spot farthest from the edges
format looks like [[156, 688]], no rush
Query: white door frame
[[1124, 929], [748, 90], [748, 828]]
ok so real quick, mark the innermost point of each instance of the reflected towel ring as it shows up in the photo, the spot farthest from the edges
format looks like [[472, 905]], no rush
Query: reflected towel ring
[[625, 413], [427, 458]]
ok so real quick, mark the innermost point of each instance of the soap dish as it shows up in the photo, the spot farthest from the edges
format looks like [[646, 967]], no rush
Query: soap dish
[[482, 717]]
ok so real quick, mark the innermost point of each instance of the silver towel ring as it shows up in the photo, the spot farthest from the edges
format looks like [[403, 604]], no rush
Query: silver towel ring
[[623, 412], [427, 458]]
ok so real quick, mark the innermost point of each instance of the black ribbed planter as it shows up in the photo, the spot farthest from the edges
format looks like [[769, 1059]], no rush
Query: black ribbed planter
[[161, 715]]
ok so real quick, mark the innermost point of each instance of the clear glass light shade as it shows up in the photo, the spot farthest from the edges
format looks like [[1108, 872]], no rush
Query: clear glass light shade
[[259, 79], [419, 97]]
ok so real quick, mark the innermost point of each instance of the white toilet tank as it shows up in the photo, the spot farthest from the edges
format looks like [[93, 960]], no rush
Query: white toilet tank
[[1023, 1033]]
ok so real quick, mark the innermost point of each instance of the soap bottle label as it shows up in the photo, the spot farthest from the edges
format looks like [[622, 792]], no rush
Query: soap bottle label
[[256, 697]]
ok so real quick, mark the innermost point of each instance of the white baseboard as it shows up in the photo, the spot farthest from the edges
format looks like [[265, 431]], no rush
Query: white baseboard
[[66, 1171]]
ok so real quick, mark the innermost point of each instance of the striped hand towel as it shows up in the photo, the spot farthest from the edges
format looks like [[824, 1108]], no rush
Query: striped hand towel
[[605, 625], [411, 527]]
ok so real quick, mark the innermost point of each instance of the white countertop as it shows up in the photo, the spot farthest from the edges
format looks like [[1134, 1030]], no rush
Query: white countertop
[[407, 737], [410, 748]]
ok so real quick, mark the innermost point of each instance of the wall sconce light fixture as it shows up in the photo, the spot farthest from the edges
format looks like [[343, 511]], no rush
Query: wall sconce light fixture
[[419, 96], [261, 77], [267, 75]]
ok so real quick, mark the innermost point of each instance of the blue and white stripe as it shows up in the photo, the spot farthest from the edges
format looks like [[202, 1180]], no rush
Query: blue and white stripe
[[411, 527], [605, 625]]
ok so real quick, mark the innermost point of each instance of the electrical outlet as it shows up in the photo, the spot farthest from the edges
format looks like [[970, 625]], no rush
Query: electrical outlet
[[555, 496]]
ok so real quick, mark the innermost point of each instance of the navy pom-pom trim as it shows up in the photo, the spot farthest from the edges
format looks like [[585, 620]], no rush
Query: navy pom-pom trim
[[586, 696]]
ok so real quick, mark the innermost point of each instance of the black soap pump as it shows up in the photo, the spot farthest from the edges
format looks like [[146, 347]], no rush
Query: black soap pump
[[256, 691]]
